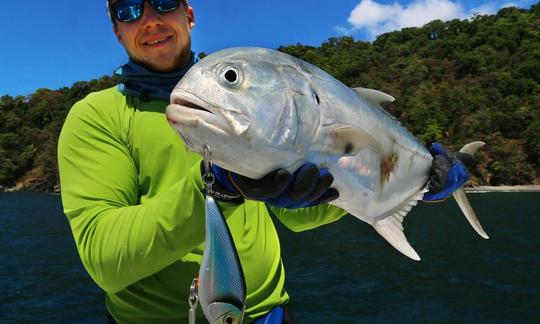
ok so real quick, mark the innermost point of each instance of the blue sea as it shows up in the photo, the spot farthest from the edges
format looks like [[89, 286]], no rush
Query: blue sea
[[340, 273]]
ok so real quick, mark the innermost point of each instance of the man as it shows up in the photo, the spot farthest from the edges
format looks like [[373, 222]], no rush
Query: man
[[134, 195]]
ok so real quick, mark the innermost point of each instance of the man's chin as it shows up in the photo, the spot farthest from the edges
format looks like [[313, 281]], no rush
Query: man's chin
[[165, 66]]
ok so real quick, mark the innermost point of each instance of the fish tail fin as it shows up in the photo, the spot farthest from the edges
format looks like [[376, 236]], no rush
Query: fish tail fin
[[472, 147], [461, 198], [465, 206]]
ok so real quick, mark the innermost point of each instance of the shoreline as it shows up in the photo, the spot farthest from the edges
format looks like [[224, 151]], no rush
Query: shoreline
[[476, 189], [486, 189]]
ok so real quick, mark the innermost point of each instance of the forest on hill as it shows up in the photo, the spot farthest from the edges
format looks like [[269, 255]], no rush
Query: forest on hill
[[454, 82]]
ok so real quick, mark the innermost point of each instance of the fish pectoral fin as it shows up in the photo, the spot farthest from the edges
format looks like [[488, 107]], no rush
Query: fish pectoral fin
[[465, 206], [349, 140], [374, 96], [391, 227]]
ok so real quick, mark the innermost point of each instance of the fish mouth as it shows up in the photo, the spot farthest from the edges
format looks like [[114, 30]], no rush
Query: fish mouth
[[190, 110], [189, 105]]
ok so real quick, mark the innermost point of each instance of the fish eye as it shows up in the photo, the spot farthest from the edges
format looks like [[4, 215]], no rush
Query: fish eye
[[230, 76]]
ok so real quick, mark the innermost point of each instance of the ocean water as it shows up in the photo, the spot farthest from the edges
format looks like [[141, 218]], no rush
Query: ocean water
[[340, 273]]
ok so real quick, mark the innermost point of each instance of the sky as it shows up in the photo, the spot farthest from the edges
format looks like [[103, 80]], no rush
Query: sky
[[52, 44]]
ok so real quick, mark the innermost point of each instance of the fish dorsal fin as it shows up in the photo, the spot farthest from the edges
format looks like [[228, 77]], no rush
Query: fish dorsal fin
[[349, 140], [374, 96], [391, 227]]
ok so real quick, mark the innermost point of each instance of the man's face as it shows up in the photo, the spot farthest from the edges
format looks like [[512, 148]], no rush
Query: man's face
[[159, 42]]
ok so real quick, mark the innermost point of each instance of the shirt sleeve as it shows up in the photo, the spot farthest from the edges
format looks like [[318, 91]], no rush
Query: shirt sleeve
[[119, 240], [302, 219]]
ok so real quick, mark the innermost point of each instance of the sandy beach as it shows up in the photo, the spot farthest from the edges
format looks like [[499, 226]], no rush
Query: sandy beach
[[482, 189]]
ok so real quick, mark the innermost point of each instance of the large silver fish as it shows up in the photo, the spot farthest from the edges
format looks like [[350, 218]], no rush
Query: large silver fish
[[260, 110]]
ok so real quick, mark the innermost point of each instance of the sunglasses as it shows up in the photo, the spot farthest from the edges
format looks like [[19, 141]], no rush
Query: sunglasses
[[131, 10]]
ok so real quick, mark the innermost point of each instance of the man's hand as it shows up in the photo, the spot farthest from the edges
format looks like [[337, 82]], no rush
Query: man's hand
[[308, 186], [448, 172]]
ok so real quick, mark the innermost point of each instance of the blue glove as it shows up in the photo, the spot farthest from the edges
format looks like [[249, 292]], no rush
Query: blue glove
[[448, 172], [308, 186], [275, 316]]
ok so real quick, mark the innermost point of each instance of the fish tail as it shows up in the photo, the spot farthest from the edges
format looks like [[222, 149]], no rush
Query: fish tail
[[461, 198]]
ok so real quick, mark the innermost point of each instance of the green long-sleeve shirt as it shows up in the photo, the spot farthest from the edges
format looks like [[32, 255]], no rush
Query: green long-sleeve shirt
[[133, 195]]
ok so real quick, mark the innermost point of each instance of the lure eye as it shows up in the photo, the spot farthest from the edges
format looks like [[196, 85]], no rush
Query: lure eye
[[230, 76]]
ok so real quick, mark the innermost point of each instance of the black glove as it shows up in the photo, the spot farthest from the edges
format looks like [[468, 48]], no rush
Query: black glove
[[308, 186], [448, 172]]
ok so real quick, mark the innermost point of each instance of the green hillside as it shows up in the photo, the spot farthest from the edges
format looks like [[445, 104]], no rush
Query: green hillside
[[454, 82]]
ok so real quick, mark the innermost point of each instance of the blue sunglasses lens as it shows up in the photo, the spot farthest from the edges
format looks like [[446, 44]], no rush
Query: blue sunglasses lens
[[127, 10], [130, 10], [162, 6]]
